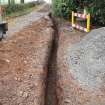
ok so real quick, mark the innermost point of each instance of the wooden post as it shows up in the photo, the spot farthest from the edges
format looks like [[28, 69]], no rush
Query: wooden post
[[88, 22], [72, 18], [1, 14]]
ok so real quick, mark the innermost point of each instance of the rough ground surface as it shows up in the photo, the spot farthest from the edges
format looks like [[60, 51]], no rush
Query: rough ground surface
[[87, 59], [23, 65], [37, 66], [69, 90], [18, 23]]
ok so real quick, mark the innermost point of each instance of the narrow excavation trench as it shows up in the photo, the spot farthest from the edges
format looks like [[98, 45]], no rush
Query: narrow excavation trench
[[51, 97]]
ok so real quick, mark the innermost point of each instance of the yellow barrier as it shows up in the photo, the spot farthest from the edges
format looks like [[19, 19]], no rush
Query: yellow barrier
[[83, 16]]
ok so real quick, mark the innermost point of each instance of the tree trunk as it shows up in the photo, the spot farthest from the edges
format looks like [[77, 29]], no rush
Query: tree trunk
[[12, 1], [9, 2], [22, 1]]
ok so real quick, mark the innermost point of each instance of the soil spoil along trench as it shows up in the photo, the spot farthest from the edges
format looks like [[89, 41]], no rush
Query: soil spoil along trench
[[24, 64]]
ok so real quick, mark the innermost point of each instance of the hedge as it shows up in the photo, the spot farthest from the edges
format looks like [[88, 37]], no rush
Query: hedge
[[63, 8], [96, 8]]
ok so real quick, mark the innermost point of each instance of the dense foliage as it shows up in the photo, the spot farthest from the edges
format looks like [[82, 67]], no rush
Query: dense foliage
[[95, 7], [63, 8]]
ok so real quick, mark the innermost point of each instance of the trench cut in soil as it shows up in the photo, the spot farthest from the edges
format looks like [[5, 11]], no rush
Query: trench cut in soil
[[51, 96]]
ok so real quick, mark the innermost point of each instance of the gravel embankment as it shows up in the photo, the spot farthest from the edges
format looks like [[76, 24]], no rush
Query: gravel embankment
[[87, 59], [69, 88]]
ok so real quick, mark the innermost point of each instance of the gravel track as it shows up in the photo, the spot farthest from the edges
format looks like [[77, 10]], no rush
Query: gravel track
[[18, 23]]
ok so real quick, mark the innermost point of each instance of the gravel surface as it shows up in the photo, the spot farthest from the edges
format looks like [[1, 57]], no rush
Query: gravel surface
[[87, 59], [69, 89], [18, 23]]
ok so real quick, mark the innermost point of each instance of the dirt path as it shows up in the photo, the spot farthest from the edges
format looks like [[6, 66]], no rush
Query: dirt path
[[18, 23], [32, 67], [26, 63]]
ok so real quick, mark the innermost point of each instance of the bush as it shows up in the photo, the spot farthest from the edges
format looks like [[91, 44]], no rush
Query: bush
[[96, 8], [63, 8]]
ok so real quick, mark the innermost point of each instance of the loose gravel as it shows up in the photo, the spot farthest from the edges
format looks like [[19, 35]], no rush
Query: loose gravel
[[70, 90], [86, 59]]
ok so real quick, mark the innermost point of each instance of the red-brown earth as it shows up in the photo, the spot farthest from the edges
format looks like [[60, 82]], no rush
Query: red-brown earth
[[23, 64]]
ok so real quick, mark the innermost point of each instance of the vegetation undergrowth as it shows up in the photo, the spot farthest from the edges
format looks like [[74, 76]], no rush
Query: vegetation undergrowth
[[14, 10], [96, 8]]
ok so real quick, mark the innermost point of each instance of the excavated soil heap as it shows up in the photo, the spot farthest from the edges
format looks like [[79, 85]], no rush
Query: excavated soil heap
[[23, 64], [81, 67]]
